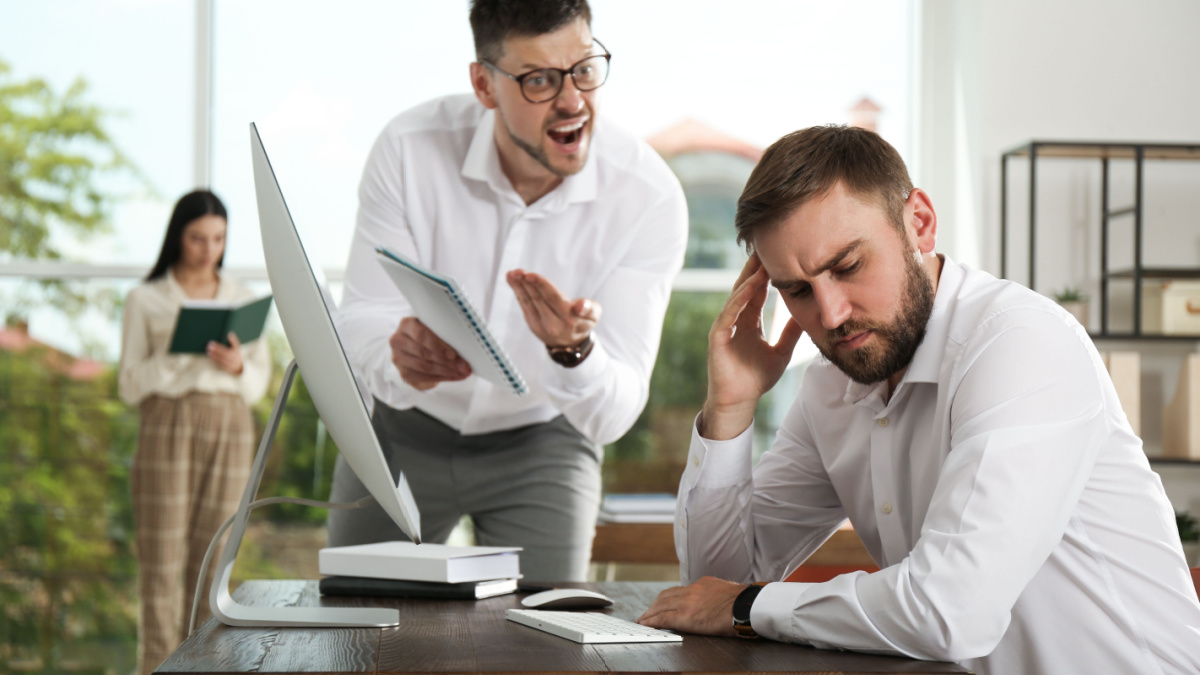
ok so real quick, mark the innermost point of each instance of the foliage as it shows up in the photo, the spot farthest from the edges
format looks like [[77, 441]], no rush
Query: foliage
[[54, 155], [1189, 529], [1070, 294], [66, 544]]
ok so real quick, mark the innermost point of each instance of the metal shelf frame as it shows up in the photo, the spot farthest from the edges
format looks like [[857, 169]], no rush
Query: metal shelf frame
[[1104, 152]]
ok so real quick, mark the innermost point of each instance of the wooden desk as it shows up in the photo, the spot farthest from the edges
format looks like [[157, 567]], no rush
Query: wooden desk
[[474, 636]]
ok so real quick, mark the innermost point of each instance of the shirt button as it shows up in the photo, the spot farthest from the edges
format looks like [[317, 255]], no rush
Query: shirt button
[[886, 508], [695, 461], [883, 421]]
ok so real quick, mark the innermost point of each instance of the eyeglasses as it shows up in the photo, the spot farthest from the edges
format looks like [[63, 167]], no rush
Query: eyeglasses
[[543, 84]]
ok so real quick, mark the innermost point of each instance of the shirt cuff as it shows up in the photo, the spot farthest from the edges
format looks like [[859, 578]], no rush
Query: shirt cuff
[[572, 383], [773, 608], [720, 464]]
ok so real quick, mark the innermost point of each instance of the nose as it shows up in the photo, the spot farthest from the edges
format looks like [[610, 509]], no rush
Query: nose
[[833, 305], [569, 99]]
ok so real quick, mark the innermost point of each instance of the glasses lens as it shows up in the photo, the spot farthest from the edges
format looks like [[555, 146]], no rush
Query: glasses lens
[[590, 73], [541, 85]]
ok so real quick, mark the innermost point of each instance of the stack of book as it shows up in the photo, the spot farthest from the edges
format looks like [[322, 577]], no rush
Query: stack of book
[[401, 569], [638, 508]]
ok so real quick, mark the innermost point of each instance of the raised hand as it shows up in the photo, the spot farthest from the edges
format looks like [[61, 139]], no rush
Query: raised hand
[[423, 359], [742, 364], [555, 320]]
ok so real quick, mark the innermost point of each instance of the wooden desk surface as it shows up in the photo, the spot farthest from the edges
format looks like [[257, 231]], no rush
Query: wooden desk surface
[[474, 636]]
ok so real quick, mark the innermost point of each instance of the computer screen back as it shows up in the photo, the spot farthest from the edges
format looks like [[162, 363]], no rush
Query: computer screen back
[[305, 310]]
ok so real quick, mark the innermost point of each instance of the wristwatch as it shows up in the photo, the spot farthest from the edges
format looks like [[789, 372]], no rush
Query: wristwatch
[[741, 609], [571, 355]]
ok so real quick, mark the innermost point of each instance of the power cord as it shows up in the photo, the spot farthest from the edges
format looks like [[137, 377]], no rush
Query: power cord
[[212, 546]]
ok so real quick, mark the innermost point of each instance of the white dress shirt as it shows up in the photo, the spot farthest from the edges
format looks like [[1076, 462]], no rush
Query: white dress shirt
[[1015, 517], [148, 368], [615, 232]]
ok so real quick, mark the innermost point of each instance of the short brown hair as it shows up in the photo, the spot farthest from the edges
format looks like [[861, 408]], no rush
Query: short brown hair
[[494, 21], [808, 163]]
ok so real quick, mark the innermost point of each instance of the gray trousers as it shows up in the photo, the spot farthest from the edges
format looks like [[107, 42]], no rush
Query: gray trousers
[[537, 487]]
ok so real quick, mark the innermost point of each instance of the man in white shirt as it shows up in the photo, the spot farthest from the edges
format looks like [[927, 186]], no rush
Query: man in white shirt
[[965, 425], [546, 216]]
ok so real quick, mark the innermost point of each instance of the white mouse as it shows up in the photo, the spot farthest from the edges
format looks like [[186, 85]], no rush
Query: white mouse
[[567, 598]]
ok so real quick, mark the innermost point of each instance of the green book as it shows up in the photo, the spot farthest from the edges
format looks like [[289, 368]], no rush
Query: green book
[[204, 321]]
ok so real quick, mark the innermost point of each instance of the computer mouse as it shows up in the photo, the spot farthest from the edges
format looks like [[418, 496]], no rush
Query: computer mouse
[[567, 598]]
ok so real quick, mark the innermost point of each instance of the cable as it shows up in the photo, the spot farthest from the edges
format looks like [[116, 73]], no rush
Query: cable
[[212, 545]]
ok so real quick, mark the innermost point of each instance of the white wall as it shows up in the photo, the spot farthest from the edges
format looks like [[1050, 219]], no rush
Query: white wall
[[1005, 72]]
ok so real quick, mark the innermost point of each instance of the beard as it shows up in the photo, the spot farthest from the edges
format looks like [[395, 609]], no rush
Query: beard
[[897, 341], [539, 153]]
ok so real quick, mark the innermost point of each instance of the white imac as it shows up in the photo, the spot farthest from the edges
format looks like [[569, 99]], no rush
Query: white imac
[[305, 310]]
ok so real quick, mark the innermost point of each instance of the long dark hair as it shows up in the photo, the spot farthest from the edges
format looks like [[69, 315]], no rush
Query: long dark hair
[[191, 206]]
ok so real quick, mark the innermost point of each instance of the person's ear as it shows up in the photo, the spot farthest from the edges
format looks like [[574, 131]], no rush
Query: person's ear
[[484, 85], [920, 221]]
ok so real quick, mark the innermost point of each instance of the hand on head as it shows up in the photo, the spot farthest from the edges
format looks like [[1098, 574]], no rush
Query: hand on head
[[555, 320], [228, 359], [742, 364], [422, 358]]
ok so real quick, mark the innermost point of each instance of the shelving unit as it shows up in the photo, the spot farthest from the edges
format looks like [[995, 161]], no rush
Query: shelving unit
[[1105, 153]]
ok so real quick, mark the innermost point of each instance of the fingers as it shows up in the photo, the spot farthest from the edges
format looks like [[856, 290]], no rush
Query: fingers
[[551, 317], [738, 303], [234, 342], [424, 359], [788, 337], [752, 266]]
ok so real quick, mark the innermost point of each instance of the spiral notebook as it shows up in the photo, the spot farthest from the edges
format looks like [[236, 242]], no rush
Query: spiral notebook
[[442, 305]]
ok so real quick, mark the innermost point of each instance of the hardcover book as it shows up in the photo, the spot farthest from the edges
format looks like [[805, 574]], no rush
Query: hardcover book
[[399, 588], [424, 562], [204, 321]]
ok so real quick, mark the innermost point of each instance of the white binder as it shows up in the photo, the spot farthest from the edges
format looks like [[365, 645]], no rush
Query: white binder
[[443, 307]]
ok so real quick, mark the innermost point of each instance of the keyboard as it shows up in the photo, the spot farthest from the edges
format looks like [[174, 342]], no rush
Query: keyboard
[[589, 627]]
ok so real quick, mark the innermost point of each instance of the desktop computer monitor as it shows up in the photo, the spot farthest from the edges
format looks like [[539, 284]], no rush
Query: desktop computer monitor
[[305, 309]]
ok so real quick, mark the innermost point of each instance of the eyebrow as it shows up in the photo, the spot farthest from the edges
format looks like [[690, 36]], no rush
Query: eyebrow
[[833, 261]]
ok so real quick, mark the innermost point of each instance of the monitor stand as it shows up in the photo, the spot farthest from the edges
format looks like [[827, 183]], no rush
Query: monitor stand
[[230, 612]]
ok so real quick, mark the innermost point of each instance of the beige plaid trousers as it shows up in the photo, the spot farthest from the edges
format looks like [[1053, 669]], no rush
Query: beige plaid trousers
[[191, 467]]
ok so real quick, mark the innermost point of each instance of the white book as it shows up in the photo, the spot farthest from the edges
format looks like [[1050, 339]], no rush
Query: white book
[[442, 305], [656, 502], [423, 562]]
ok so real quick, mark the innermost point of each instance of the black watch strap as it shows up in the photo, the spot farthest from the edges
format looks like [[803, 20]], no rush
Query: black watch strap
[[571, 355], [741, 609]]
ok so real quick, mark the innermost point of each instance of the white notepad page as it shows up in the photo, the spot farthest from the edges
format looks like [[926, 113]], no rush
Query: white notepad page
[[443, 307]]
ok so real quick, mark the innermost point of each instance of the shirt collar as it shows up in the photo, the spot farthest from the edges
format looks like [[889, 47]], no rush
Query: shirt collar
[[926, 363], [483, 164]]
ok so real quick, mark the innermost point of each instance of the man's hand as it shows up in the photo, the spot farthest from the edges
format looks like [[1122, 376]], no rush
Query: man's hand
[[422, 358], [704, 608], [555, 320], [228, 359], [742, 365]]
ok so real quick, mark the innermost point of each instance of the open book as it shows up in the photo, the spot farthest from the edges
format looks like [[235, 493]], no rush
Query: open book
[[443, 307], [204, 321]]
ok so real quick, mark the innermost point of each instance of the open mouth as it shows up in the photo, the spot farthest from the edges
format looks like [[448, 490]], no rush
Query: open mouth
[[568, 135]]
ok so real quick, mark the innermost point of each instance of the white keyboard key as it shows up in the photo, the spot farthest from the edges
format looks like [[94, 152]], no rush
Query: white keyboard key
[[589, 627]]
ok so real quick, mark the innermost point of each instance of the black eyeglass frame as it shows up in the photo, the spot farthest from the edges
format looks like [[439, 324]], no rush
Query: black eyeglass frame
[[520, 79]]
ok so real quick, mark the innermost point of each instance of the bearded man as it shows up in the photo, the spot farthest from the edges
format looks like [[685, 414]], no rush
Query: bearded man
[[544, 214], [966, 426]]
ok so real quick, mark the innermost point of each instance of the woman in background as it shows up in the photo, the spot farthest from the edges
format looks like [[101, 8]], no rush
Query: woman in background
[[196, 437]]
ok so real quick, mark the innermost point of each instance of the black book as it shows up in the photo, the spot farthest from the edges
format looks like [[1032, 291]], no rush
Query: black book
[[398, 588]]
